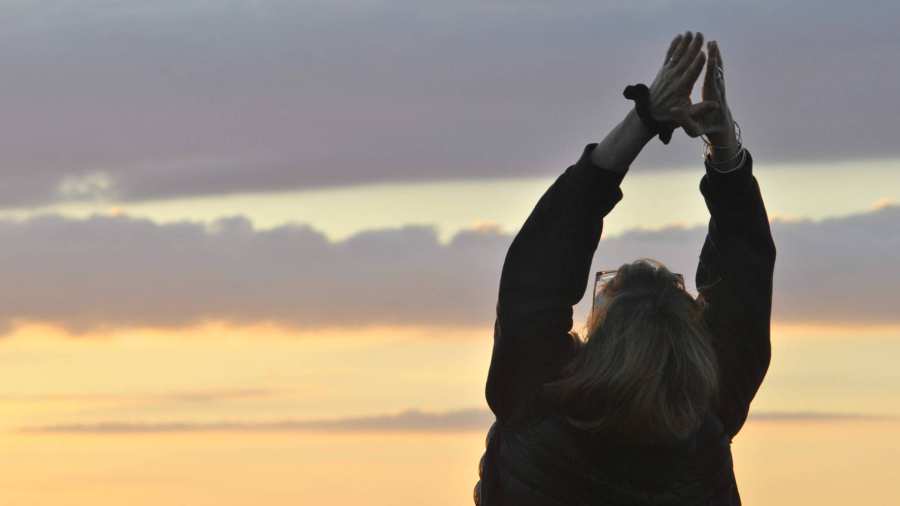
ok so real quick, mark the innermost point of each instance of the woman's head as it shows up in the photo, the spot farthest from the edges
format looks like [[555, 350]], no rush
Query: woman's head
[[647, 370]]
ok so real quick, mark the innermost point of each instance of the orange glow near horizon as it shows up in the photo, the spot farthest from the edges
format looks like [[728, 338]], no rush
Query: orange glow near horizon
[[33, 331]]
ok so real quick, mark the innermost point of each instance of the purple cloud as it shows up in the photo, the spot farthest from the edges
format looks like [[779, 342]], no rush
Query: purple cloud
[[119, 272], [171, 99]]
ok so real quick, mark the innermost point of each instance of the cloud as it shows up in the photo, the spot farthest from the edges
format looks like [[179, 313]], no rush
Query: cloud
[[188, 396], [173, 98], [883, 203], [120, 272], [835, 270], [412, 420], [814, 416], [117, 272]]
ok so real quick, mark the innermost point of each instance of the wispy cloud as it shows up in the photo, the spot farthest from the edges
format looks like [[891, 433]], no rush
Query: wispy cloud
[[412, 420], [181, 396], [218, 97], [812, 416]]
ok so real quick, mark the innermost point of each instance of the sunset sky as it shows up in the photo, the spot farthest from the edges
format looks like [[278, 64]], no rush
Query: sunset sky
[[251, 249]]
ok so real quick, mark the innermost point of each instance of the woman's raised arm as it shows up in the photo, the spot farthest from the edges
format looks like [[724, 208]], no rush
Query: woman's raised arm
[[547, 266], [737, 261]]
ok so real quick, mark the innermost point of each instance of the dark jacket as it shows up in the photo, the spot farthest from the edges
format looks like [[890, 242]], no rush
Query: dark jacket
[[533, 456]]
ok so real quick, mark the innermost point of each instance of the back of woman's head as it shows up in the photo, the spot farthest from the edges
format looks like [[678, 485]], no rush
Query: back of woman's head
[[647, 371]]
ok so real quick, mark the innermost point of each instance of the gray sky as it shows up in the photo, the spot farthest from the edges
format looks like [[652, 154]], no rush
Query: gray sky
[[163, 99]]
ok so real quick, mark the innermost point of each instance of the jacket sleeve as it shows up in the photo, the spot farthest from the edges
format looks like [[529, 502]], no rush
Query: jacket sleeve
[[734, 278], [544, 274]]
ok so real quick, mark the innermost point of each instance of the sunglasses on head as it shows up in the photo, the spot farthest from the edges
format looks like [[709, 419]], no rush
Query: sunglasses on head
[[601, 279]]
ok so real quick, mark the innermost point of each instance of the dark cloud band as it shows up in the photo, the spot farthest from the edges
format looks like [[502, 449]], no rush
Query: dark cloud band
[[120, 272]]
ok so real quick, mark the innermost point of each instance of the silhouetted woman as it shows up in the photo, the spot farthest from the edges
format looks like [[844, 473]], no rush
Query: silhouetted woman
[[643, 409]]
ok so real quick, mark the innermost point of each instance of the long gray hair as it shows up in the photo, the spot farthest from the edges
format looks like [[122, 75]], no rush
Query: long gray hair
[[647, 370]]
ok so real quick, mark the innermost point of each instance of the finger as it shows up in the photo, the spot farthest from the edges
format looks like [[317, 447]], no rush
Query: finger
[[682, 46], [719, 81], [693, 71], [682, 118], [691, 53], [672, 47], [709, 85], [715, 49]]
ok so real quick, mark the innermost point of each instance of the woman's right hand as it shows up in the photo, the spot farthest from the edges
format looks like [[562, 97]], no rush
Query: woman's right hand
[[716, 123]]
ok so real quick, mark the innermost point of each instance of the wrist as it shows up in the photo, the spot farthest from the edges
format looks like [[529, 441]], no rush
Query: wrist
[[724, 145], [728, 166], [720, 153], [621, 145], [723, 139], [634, 123]]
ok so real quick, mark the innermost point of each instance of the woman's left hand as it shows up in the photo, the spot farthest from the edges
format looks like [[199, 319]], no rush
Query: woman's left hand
[[717, 123]]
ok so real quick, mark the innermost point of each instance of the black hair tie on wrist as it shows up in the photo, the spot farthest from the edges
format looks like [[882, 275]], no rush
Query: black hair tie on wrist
[[641, 96]]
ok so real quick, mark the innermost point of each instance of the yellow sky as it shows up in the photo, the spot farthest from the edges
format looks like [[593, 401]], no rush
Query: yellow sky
[[262, 373], [652, 200], [776, 463], [146, 375], [827, 464]]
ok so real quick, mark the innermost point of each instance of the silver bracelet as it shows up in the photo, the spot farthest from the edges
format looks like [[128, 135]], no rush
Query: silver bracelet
[[741, 153], [709, 146]]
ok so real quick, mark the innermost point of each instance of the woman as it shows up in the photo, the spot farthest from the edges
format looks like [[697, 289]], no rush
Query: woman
[[644, 408]]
